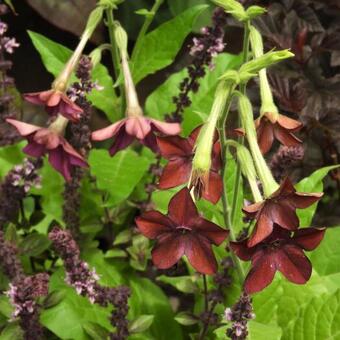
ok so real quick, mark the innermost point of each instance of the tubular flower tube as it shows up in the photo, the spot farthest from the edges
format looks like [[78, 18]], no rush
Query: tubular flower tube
[[282, 252], [182, 232], [55, 100], [271, 124], [135, 125], [180, 152], [61, 154]]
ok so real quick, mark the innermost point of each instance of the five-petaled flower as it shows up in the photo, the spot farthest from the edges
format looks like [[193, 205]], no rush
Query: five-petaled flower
[[280, 128], [180, 151], [182, 232], [281, 252], [135, 127], [55, 102], [62, 156], [279, 208]]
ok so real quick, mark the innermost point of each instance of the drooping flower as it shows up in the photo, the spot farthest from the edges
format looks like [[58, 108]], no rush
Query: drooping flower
[[279, 208], [182, 232], [180, 152], [281, 252], [280, 128], [62, 156], [55, 102], [125, 131]]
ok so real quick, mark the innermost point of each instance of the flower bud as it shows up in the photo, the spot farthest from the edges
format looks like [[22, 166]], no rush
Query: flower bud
[[121, 38], [233, 7], [254, 11]]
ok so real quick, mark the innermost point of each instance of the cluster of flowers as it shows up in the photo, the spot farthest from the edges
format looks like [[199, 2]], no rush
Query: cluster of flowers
[[85, 281]]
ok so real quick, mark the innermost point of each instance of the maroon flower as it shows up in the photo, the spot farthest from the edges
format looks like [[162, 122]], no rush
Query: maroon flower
[[55, 102], [182, 232], [279, 252], [281, 129], [279, 208], [142, 128], [180, 152], [62, 156]]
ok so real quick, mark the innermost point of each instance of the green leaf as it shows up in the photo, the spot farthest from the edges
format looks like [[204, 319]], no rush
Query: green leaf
[[112, 253], [53, 298], [34, 244], [326, 258], [141, 324], [95, 331], [147, 298], [186, 319], [118, 175], [184, 284], [9, 156], [54, 56], [160, 47], [12, 331], [159, 102], [313, 183], [67, 318], [6, 308]]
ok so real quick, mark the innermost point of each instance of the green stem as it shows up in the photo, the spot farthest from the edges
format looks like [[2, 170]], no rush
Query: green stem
[[114, 53], [145, 27]]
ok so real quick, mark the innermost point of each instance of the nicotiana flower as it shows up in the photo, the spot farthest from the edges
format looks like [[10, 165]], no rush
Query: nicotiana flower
[[278, 127], [125, 131], [55, 102], [182, 232], [279, 208], [62, 156], [180, 152], [281, 252]]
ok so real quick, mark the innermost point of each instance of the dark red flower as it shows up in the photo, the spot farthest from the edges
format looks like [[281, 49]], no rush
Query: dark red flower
[[61, 154], [182, 232], [279, 252], [55, 102], [180, 152], [281, 129], [142, 128], [279, 208]]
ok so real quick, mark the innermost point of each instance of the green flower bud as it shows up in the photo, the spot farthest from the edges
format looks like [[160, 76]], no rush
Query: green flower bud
[[121, 38], [234, 8], [255, 11]]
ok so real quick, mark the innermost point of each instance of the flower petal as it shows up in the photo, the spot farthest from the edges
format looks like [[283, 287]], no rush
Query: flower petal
[[121, 141], [286, 138], [152, 224], [174, 146], [175, 173], [200, 255], [309, 238], [182, 209], [252, 209], [302, 200], [293, 264], [138, 127], [34, 150], [263, 228], [242, 250], [289, 123], [211, 231], [37, 98], [107, 132], [168, 250], [283, 214], [213, 191], [23, 128], [261, 274], [166, 128], [265, 135], [58, 159]]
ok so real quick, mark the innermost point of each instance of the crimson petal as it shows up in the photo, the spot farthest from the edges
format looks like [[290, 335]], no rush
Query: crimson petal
[[263, 228], [211, 231], [265, 135], [309, 238], [213, 191], [242, 250], [284, 215], [303, 200], [174, 146], [175, 173]]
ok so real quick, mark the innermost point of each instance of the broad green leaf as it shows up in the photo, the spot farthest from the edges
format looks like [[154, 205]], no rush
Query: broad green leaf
[[313, 183], [34, 244], [95, 331], [54, 56], [326, 258], [160, 102], [12, 331], [320, 319], [141, 324], [160, 47], [9, 156], [184, 284], [186, 319], [147, 298], [51, 191], [117, 175], [67, 318]]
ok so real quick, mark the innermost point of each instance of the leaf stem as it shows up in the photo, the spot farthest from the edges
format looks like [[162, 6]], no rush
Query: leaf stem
[[147, 22]]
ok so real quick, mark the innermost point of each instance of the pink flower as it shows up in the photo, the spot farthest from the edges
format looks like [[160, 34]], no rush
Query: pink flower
[[55, 102], [278, 252], [61, 154], [126, 130], [182, 232]]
